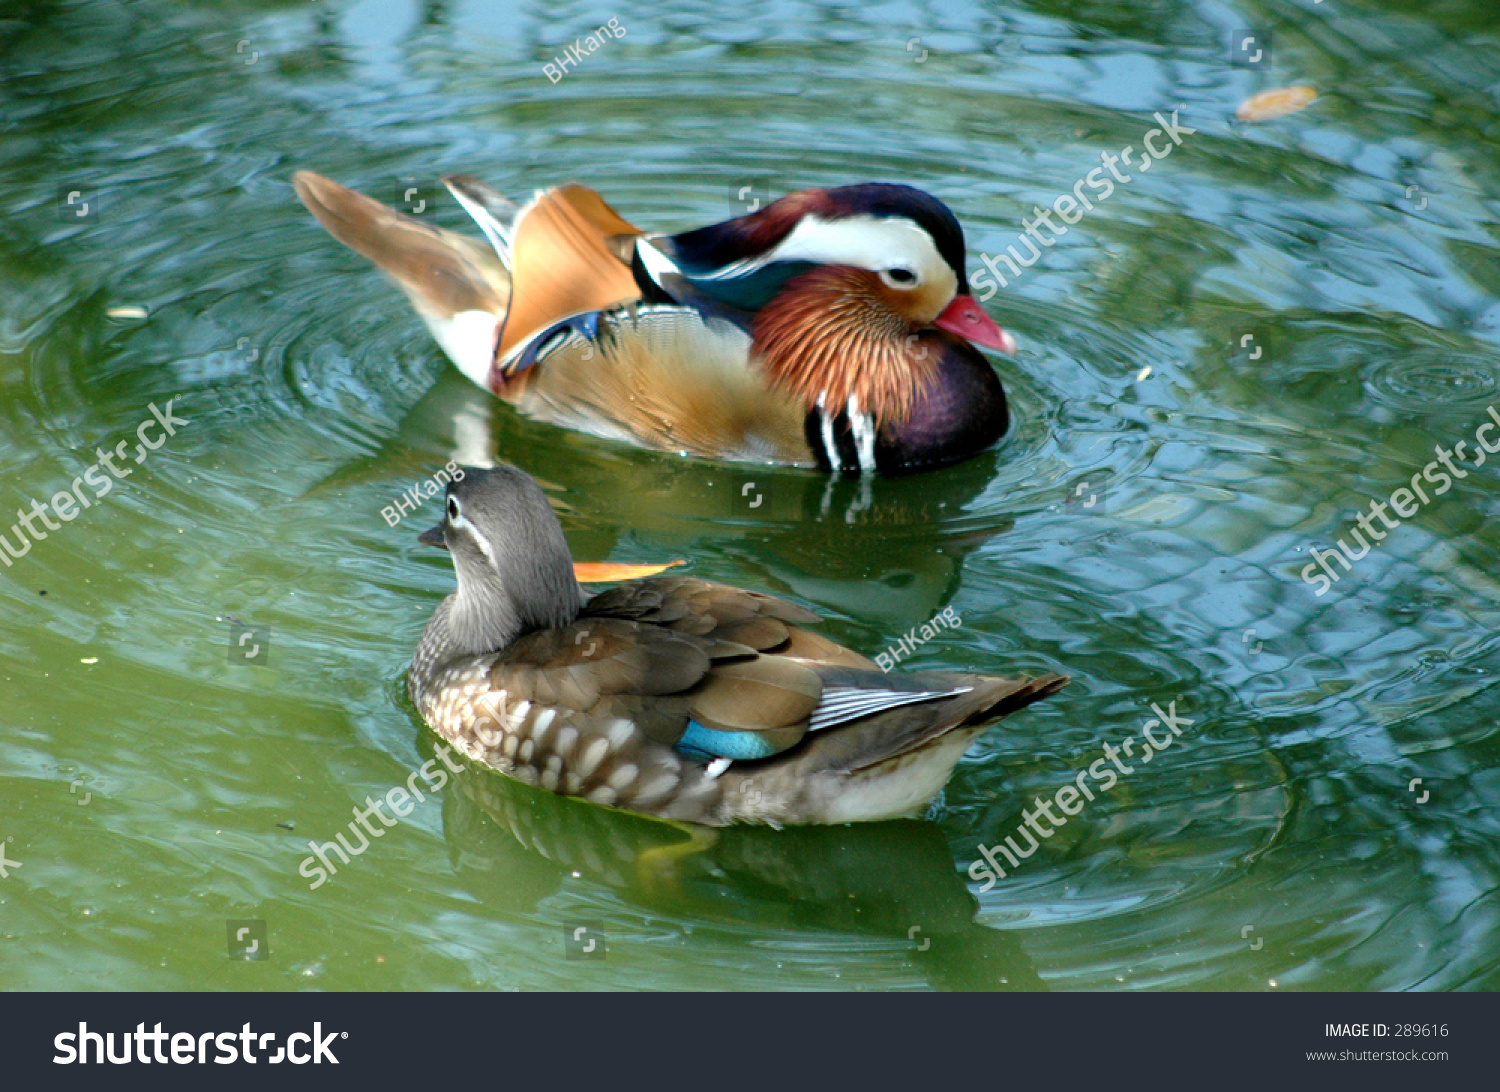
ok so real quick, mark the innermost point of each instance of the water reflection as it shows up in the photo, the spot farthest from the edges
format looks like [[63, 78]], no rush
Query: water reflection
[[514, 848]]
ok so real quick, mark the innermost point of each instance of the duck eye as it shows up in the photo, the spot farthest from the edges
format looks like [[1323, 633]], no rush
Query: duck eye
[[452, 508], [902, 276]]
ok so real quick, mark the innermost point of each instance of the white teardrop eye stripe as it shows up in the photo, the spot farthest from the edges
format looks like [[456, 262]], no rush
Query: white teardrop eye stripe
[[460, 523], [899, 277], [862, 241], [866, 242]]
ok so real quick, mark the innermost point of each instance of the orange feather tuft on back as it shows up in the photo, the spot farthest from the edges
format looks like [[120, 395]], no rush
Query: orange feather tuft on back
[[563, 264]]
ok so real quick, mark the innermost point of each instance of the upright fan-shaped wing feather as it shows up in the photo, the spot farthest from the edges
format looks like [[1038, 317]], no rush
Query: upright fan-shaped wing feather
[[562, 263]]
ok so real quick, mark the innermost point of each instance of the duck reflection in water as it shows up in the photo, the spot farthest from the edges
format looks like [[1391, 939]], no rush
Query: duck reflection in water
[[513, 847], [889, 551]]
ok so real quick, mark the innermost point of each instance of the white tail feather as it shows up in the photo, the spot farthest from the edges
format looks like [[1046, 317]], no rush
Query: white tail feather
[[468, 338]]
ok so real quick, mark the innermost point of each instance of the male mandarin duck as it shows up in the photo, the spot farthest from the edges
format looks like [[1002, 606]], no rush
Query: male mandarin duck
[[832, 328], [673, 696]]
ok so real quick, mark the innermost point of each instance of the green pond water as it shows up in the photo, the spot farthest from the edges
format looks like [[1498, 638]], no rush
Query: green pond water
[[1221, 365]]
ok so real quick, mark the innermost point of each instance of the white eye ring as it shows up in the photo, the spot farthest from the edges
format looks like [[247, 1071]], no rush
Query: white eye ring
[[900, 277], [453, 512]]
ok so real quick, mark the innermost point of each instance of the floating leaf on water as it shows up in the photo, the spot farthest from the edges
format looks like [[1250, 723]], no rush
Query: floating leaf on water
[[599, 572], [1277, 103]]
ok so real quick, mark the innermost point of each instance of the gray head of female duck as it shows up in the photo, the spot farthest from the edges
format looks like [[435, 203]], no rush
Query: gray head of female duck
[[515, 572]]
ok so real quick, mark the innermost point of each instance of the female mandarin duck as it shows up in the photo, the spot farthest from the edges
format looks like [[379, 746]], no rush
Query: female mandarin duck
[[832, 328], [673, 696]]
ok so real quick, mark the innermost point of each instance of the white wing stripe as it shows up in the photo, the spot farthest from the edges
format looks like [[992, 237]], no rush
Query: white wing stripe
[[498, 234], [844, 703], [657, 264]]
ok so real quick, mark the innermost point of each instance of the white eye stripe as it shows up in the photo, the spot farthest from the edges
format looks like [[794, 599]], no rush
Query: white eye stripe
[[460, 522], [862, 241]]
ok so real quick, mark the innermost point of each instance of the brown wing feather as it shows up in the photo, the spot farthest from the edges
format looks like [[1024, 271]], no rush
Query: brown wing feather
[[595, 708], [562, 263], [610, 668], [702, 607], [606, 656], [444, 273], [758, 696], [805, 645], [753, 619], [761, 634]]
